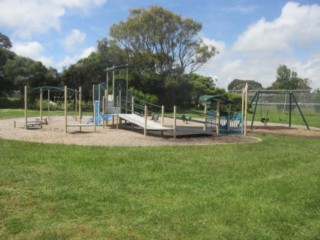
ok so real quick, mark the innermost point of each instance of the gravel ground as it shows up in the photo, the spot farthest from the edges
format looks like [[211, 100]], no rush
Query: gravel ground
[[108, 136]]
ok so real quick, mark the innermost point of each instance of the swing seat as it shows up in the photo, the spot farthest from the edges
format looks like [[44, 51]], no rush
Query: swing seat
[[265, 120]]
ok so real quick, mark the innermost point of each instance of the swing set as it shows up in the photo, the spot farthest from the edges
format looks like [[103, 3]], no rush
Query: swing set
[[284, 101]]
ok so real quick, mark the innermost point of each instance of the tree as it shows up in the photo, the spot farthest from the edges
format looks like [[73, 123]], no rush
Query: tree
[[288, 79], [6, 86], [162, 41], [237, 85], [161, 47], [5, 41]]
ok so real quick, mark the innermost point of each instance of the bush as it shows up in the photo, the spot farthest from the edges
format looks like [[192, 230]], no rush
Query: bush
[[11, 103]]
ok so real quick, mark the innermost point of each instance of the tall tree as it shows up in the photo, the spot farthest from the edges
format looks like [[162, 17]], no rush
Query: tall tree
[[5, 41], [238, 84], [162, 41], [288, 79], [161, 47]]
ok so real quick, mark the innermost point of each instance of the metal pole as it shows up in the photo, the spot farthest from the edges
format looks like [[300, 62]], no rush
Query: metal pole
[[304, 120], [290, 109], [255, 108]]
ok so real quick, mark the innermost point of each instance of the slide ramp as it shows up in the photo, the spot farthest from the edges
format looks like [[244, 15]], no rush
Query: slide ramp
[[140, 121]]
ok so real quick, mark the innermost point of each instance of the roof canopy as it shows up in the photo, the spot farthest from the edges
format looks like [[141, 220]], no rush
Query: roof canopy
[[215, 98]]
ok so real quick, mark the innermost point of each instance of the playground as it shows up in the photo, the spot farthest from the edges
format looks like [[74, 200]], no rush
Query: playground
[[108, 136]]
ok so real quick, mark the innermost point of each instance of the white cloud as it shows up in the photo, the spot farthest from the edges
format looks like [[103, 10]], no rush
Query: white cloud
[[37, 16], [75, 38], [296, 25], [33, 50], [80, 4], [219, 45], [71, 60], [256, 54]]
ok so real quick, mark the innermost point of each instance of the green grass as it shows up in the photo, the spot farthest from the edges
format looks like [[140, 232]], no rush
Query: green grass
[[15, 113], [266, 190]]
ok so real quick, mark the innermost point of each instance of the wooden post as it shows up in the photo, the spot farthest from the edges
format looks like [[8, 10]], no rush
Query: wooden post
[[99, 97], [162, 115], [94, 117], [132, 105], [93, 97], [80, 107], [245, 109], [119, 101], [107, 88], [218, 118], [205, 116], [174, 122], [113, 82], [103, 102], [127, 83], [75, 104], [118, 118], [65, 109], [145, 120], [48, 103], [106, 101], [41, 99], [25, 106]]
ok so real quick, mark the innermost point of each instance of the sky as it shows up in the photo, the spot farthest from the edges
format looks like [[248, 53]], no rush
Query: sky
[[253, 37]]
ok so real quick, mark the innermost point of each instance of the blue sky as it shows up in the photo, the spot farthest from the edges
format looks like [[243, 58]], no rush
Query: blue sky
[[253, 36]]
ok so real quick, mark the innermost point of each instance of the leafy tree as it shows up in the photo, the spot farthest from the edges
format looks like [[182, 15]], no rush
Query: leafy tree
[[5, 41], [23, 71], [85, 73], [110, 53], [238, 84], [161, 47], [288, 79], [6, 86]]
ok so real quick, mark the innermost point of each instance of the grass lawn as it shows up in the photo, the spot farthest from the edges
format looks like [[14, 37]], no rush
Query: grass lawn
[[15, 113], [266, 190]]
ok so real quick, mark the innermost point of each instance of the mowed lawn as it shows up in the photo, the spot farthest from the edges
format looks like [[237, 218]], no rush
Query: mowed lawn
[[265, 190]]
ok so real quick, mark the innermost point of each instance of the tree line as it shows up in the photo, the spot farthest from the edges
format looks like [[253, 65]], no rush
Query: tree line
[[163, 52]]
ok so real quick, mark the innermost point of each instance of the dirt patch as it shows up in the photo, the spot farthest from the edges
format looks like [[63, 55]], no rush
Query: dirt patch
[[284, 130]]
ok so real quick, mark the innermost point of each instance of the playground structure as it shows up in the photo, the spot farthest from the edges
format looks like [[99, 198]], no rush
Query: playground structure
[[114, 106], [37, 122], [277, 106], [150, 117]]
